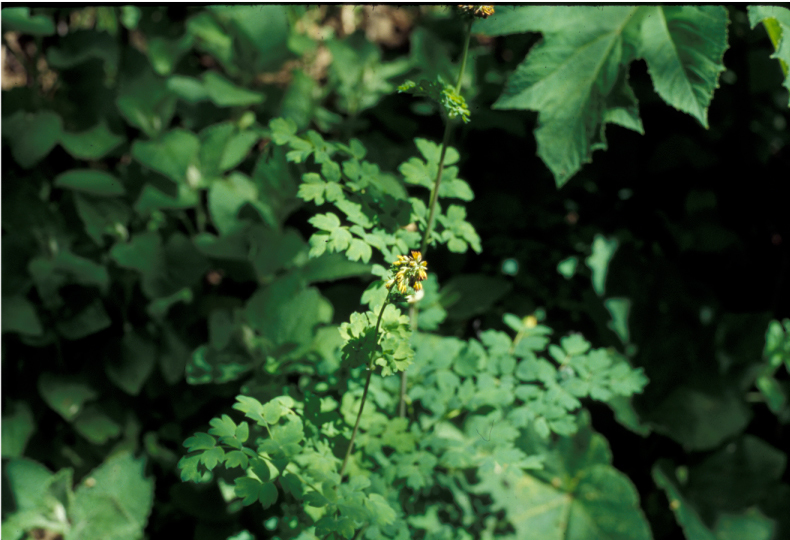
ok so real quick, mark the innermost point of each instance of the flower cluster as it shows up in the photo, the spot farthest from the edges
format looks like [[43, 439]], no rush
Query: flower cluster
[[409, 272], [479, 11]]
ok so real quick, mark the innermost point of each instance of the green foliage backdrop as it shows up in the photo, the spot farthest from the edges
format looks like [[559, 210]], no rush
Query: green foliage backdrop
[[205, 336]]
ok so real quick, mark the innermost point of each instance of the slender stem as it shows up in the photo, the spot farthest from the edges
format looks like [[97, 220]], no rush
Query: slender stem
[[364, 392], [463, 58], [448, 128]]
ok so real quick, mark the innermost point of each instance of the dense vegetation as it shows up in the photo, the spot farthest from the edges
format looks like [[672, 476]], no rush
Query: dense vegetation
[[360, 272]]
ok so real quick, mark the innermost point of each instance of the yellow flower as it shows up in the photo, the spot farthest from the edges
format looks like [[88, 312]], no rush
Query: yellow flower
[[409, 272]]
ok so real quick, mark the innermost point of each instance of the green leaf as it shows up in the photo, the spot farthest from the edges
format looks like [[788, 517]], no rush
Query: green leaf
[[129, 370], [91, 144], [90, 181], [65, 395], [686, 515], [577, 495], [575, 79], [96, 426], [684, 47], [619, 308], [115, 504], [326, 222], [226, 197], [598, 261], [164, 53], [173, 155], [226, 94], [223, 427], [17, 427], [18, 19], [103, 217], [189, 89], [252, 490], [285, 313], [567, 267], [34, 134], [146, 103], [200, 441], [19, 316], [776, 20]]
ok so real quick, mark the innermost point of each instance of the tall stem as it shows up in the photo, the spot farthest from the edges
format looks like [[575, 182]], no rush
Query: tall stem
[[364, 392], [448, 128]]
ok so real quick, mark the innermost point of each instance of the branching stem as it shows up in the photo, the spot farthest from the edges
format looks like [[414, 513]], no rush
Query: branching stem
[[365, 391]]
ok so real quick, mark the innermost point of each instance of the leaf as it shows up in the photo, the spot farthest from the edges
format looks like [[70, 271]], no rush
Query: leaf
[[252, 490], [776, 20], [686, 515], [35, 134], [134, 365], [200, 441], [18, 19], [103, 216], [577, 495], [115, 503], [359, 251], [226, 94], [172, 154], [17, 427], [90, 181], [570, 80], [19, 316], [598, 261], [65, 395], [683, 47], [326, 222], [94, 143], [96, 426], [146, 103], [619, 308], [226, 197]]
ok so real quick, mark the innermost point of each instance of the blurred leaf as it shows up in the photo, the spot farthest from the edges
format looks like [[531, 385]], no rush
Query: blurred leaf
[[77, 47], [687, 515], [226, 197], [286, 313], [131, 368], [567, 267], [19, 316], [700, 420], [115, 503], [102, 216], [165, 53], [207, 365], [96, 426], [65, 395], [94, 143], [81, 322], [619, 308], [90, 181], [598, 261], [469, 295], [189, 89], [226, 94], [261, 32], [172, 154], [736, 476], [39, 496], [18, 19], [17, 427], [146, 103], [751, 524], [34, 135]]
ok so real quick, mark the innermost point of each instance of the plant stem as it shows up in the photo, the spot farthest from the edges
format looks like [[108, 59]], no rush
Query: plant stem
[[448, 128], [364, 392]]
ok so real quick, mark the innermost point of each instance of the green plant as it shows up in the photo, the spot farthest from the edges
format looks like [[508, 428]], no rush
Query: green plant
[[459, 387]]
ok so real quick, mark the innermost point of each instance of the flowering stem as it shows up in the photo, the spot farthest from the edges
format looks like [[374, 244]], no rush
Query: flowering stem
[[448, 128], [365, 391]]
